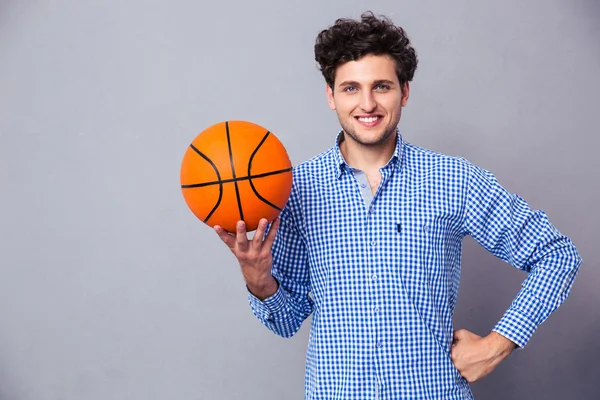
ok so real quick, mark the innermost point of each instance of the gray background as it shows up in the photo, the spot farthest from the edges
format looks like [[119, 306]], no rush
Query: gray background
[[111, 289]]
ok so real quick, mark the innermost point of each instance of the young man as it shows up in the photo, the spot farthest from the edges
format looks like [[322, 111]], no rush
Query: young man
[[370, 242]]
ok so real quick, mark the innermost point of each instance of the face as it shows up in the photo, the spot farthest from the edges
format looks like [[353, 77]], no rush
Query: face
[[368, 99]]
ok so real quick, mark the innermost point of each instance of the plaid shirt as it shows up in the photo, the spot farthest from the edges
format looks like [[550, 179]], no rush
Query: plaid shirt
[[381, 278]]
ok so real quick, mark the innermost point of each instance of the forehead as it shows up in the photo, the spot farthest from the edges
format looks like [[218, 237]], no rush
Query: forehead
[[367, 69]]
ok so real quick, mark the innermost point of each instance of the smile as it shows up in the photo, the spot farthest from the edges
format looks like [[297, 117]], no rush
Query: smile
[[369, 121]]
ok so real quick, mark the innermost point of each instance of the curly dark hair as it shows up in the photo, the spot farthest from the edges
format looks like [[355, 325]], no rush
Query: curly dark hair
[[349, 40]]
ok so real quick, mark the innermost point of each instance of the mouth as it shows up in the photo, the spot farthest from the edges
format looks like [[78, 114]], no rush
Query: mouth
[[369, 121]]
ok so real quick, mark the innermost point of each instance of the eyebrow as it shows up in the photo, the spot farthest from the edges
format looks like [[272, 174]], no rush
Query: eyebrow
[[376, 82]]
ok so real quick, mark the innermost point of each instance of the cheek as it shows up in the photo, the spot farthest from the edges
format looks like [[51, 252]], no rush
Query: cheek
[[394, 106], [343, 107]]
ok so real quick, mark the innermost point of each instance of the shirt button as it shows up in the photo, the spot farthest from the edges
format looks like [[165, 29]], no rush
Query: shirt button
[[374, 277], [363, 185], [376, 309], [379, 344], [373, 243]]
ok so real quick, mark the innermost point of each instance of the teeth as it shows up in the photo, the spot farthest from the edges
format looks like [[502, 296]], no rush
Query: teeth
[[368, 119]]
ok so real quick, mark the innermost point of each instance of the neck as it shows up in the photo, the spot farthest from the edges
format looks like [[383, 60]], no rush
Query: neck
[[368, 158]]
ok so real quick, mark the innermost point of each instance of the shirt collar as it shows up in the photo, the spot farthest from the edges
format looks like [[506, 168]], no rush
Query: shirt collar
[[341, 163]]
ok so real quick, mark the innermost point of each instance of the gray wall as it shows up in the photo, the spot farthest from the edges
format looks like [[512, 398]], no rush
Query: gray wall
[[111, 289]]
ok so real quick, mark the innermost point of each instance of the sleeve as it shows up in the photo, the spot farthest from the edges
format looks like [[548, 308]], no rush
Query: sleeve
[[505, 225], [284, 312]]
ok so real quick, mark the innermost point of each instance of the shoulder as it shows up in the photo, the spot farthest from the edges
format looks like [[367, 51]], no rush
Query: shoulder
[[308, 180], [315, 168], [422, 160]]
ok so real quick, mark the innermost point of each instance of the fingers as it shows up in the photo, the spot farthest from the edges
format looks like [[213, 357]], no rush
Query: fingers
[[271, 235], [241, 238], [460, 334], [225, 236], [260, 232]]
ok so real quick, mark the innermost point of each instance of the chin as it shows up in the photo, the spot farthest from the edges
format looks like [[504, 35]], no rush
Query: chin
[[371, 140], [373, 136]]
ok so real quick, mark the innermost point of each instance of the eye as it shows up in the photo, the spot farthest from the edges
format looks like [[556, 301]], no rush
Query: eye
[[349, 89], [381, 86]]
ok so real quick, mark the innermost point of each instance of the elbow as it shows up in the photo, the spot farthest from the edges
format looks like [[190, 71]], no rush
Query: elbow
[[575, 258], [577, 262]]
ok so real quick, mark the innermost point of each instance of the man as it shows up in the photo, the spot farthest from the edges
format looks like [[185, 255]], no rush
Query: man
[[370, 242]]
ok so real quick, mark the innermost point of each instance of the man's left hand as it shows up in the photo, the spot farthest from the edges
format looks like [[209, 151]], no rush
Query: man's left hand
[[476, 357]]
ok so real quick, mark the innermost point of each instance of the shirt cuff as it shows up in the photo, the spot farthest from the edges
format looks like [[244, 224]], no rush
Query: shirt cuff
[[271, 308], [521, 320]]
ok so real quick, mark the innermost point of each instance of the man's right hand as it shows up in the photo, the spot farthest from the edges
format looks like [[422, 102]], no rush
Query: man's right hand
[[254, 256]]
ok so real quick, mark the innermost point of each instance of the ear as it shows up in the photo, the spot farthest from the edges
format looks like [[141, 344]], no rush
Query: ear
[[405, 93], [330, 98]]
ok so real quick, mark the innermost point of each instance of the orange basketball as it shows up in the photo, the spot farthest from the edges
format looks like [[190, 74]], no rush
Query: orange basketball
[[236, 170]]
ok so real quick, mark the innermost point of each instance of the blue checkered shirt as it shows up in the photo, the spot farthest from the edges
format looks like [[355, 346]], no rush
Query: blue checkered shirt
[[381, 278]]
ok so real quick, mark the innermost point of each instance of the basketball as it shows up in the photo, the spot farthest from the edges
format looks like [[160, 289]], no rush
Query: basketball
[[236, 170]]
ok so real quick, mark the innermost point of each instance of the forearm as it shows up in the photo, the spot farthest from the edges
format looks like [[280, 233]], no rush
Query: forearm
[[547, 286], [279, 295]]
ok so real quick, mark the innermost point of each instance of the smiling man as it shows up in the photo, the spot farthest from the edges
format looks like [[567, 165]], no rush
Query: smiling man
[[370, 242]]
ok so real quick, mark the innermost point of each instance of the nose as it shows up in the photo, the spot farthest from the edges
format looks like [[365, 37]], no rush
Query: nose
[[367, 101]]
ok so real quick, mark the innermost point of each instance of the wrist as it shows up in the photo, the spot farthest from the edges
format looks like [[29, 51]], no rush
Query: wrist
[[263, 288], [500, 346]]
